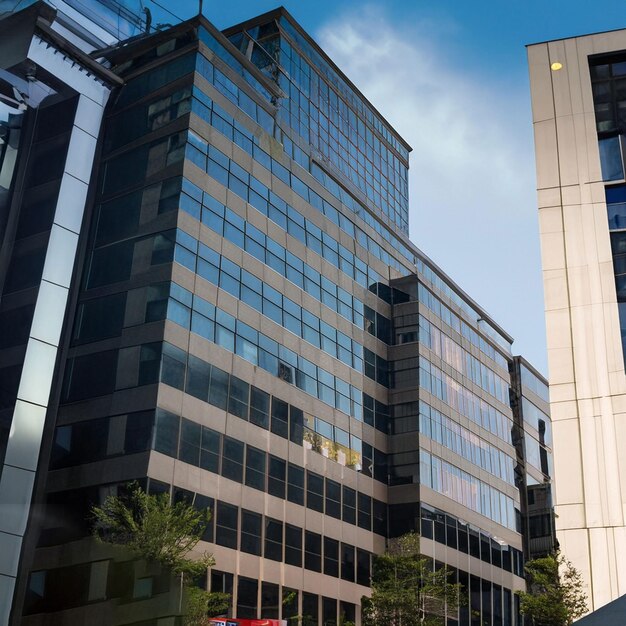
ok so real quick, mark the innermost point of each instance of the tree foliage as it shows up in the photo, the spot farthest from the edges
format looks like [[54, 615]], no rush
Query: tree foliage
[[156, 530], [555, 595], [405, 589]]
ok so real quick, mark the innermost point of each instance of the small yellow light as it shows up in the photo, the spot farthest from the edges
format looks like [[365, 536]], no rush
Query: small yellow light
[[556, 66]]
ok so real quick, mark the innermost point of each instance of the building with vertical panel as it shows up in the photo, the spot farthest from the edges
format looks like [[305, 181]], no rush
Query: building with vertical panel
[[246, 327], [578, 101]]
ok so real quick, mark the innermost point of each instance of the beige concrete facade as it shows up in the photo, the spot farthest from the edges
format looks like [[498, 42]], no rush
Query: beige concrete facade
[[586, 366]]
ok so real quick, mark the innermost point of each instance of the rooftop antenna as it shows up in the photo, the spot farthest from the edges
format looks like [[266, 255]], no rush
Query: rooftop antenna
[[200, 3]]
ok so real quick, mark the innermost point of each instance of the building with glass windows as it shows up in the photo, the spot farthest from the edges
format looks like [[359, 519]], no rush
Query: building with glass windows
[[208, 287], [578, 104]]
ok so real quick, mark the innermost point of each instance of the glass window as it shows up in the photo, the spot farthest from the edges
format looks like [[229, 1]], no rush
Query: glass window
[[198, 376], [379, 517], [238, 397], [247, 590], [363, 567], [329, 611], [218, 392], [173, 366], [166, 432], [365, 511], [331, 557], [92, 375], [313, 551], [276, 477], [100, 318], [232, 459], [293, 545], [349, 505], [295, 486], [255, 468], [226, 525], [273, 539], [315, 492], [333, 498], [310, 609], [290, 601], [189, 447], [259, 408], [251, 524], [280, 417], [347, 562], [210, 450], [269, 600], [296, 418], [202, 503]]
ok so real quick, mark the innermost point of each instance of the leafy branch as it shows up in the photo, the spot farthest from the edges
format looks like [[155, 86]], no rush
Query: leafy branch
[[156, 530]]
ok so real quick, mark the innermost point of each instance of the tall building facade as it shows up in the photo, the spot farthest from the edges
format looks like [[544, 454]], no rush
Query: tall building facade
[[579, 121], [226, 307]]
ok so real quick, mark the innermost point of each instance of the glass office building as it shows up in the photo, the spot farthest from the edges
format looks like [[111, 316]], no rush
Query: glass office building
[[246, 327]]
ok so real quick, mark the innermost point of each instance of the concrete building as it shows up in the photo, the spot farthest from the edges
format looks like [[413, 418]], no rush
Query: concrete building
[[207, 286], [579, 122]]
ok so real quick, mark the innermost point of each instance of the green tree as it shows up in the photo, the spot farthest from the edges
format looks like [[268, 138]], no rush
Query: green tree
[[156, 530], [405, 589], [555, 595]]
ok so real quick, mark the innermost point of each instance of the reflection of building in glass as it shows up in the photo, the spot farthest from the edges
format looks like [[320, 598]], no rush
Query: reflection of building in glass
[[234, 316], [579, 105], [532, 436]]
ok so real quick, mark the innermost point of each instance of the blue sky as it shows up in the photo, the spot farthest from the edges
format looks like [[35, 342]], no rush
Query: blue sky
[[451, 77]]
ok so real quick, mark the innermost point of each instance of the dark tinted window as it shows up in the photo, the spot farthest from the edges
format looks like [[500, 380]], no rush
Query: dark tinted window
[[295, 486], [247, 589], [333, 499], [232, 460], [273, 539], [100, 318], [331, 557], [226, 525], [293, 545], [315, 492], [349, 505], [251, 524], [276, 477], [313, 551], [255, 468]]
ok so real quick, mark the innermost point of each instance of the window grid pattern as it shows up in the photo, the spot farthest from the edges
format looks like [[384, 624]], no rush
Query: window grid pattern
[[232, 176], [245, 286], [229, 393], [465, 443], [476, 495], [462, 400], [326, 113], [210, 112], [462, 361], [427, 273], [244, 235], [450, 318], [204, 447], [221, 328], [458, 534]]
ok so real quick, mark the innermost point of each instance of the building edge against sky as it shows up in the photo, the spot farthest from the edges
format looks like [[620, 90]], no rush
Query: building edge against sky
[[579, 106], [239, 320]]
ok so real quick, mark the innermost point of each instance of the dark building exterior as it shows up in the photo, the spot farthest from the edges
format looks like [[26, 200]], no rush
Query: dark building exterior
[[240, 321]]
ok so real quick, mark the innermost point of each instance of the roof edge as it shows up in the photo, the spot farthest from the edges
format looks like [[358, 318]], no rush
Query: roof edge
[[281, 11]]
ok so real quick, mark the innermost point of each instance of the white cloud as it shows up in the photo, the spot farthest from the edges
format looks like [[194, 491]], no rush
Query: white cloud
[[472, 185]]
